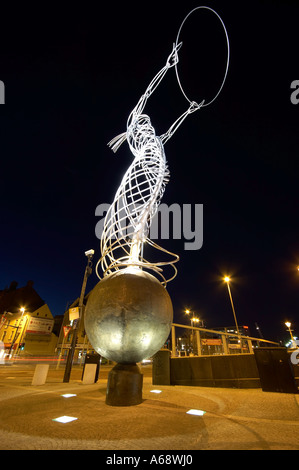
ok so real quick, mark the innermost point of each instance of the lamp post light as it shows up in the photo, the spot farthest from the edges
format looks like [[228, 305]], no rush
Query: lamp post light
[[187, 312], [12, 353], [24, 328], [70, 357], [227, 280], [194, 342], [288, 325], [193, 320]]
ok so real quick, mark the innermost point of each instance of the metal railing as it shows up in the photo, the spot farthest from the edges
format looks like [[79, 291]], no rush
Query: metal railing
[[199, 342]]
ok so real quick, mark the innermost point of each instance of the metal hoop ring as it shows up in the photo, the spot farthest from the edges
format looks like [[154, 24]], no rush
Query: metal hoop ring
[[227, 61]]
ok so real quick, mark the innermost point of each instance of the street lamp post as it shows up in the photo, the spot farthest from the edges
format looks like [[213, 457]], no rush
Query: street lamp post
[[187, 311], [193, 320], [11, 353], [195, 343], [227, 280], [70, 357], [23, 333], [288, 325]]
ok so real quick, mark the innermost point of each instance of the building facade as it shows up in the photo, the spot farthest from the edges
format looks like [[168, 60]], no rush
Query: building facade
[[26, 323]]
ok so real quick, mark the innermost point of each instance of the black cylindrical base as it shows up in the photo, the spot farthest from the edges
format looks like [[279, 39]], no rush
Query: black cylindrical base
[[161, 367], [124, 387]]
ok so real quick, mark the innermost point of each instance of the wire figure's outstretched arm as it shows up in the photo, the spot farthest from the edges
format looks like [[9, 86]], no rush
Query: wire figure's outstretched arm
[[172, 60], [192, 108]]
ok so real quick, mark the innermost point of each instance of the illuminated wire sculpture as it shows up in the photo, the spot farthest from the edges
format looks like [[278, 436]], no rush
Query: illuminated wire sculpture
[[227, 60], [127, 222]]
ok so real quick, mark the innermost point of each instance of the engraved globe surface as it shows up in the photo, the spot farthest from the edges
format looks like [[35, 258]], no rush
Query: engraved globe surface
[[128, 316]]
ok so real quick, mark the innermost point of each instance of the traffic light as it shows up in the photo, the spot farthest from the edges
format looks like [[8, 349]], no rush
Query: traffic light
[[22, 346]]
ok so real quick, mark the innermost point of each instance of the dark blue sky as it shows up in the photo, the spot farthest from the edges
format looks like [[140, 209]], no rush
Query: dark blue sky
[[72, 75]]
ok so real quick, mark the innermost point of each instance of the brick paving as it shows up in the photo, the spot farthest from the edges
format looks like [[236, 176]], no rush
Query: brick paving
[[234, 419]]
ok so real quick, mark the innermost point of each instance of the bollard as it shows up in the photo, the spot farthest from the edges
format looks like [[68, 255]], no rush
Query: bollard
[[89, 374], [92, 359], [161, 368], [40, 374]]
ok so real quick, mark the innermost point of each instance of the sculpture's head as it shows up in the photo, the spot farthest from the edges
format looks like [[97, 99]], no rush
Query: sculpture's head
[[140, 132]]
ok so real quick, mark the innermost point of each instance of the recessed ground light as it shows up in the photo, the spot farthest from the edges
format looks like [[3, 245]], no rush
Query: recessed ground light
[[156, 391], [65, 419], [68, 395], [195, 412]]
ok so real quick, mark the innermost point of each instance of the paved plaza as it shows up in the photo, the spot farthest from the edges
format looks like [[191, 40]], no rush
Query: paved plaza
[[233, 419]]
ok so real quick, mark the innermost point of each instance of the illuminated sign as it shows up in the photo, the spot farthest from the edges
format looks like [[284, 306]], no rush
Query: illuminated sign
[[40, 326], [211, 341], [74, 313]]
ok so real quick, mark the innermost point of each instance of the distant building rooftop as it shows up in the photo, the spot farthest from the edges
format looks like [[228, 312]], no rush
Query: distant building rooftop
[[13, 298]]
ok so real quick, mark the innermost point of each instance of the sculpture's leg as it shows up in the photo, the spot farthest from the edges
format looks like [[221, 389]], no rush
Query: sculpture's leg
[[124, 387]]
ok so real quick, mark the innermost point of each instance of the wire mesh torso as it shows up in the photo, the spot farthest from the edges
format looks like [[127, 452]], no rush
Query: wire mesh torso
[[129, 218]]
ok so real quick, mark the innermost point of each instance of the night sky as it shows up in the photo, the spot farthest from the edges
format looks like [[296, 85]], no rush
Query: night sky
[[73, 74]]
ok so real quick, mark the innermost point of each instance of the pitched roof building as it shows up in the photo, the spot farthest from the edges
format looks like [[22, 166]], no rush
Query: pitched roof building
[[13, 298], [26, 322]]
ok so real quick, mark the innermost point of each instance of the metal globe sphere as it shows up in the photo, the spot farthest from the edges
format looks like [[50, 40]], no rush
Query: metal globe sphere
[[128, 316]]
